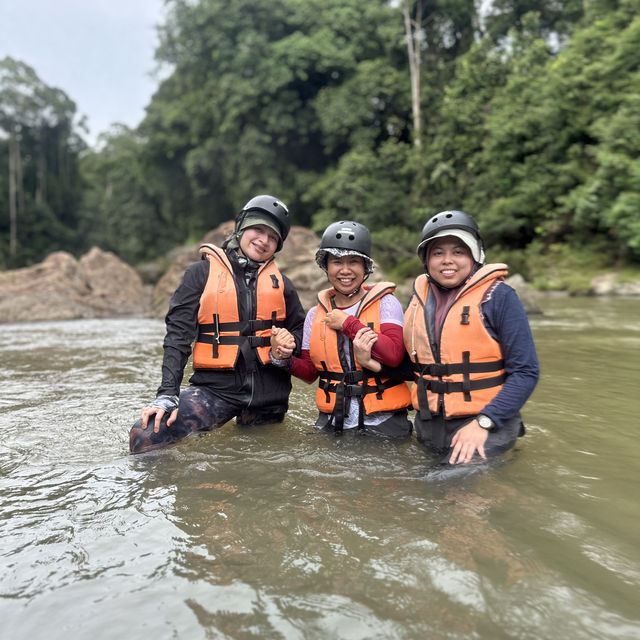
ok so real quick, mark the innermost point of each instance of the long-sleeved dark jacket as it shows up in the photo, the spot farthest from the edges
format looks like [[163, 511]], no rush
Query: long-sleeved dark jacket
[[259, 386]]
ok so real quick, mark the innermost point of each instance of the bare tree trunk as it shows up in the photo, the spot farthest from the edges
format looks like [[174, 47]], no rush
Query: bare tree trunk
[[41, 184], [19, 180], [412, 30], [12, 197]]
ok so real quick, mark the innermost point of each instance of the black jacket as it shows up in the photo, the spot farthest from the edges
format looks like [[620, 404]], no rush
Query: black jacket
[[268, 384]]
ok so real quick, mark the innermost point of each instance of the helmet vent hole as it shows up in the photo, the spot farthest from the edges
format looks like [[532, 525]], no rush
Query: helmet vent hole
[[449, 215], [338, 236], [352, 237]]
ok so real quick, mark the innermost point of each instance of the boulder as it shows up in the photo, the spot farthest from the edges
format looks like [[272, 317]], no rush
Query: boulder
[[609, 284], [527, 295], [60, 287]]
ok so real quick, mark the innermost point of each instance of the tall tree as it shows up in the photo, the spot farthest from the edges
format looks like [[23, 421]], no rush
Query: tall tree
[[240, 113], [43, 149]]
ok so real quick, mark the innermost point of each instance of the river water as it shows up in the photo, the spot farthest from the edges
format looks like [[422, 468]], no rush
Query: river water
[[274, 532]]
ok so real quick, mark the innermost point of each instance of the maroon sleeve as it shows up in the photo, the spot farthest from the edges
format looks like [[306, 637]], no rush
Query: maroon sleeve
[[389, 349], [303, 367]]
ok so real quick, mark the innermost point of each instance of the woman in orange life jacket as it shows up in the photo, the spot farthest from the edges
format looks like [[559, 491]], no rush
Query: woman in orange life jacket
[[351, 319], [225, 307], [470, 344]]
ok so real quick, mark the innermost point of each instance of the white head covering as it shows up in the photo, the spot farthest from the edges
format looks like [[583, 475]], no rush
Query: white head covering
[[477, 252], [321, 257]]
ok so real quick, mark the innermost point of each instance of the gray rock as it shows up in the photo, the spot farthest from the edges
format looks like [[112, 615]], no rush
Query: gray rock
[[60, 287], [608, 284], [527, 295]]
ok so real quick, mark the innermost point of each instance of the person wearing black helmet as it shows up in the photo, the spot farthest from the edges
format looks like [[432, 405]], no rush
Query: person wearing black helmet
[[470, 344], [223, 311], [354, 327]]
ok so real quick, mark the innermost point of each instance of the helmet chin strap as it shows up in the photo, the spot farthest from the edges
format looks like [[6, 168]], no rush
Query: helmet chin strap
[[356, 291], [245, 262], [353, 293]]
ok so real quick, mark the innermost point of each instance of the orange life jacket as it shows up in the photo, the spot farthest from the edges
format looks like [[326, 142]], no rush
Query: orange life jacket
[[469, 371], [222, 334], [338, 381]]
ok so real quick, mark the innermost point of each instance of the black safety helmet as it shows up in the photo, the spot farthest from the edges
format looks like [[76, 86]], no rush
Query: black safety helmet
[[451, 220], [345, 238], [275, 210]]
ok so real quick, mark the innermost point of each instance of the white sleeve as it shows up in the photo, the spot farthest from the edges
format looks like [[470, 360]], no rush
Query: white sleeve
[[391, 310], [306, 332]]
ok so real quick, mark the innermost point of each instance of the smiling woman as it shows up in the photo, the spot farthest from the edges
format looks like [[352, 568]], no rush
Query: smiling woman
[[225, 308], [353, 329], [470, 344]]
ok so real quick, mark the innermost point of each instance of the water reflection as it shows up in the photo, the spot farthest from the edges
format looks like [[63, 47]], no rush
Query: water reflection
[[274, 533]]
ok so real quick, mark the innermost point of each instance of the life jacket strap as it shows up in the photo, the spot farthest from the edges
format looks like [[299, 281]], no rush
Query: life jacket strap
[[245, 327], [423, 401], [440, 386], [209, 333], [440, 369], [252, 341]]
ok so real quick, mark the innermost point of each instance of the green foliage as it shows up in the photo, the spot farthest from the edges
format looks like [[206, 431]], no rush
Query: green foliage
[[546, 148], [531, 121], [262, 95], [119, 212], [40, 150]]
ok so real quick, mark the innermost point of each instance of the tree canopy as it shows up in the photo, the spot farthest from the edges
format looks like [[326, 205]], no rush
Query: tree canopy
[[528, 120]]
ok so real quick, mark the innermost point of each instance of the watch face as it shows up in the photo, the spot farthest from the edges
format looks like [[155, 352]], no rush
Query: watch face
[[485, 422]]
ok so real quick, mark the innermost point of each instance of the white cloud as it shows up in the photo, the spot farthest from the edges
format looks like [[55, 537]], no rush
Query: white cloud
[[99, 52]]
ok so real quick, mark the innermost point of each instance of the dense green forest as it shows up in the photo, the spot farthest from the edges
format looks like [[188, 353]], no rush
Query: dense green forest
[[526, 115]]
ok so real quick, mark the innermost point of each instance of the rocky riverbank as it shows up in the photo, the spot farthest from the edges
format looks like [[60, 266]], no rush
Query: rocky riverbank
[[100, 285]]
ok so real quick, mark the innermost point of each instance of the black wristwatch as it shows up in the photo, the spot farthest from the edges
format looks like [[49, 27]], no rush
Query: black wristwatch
[[485, 422]]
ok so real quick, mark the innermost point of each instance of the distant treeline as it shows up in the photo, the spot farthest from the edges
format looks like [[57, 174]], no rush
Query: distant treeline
[[527, 117]]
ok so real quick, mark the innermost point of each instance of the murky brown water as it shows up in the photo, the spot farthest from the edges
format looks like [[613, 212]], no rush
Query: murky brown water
[[275, 533]]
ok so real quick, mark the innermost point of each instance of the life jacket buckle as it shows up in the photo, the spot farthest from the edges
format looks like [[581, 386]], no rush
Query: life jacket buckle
[[352, 390]]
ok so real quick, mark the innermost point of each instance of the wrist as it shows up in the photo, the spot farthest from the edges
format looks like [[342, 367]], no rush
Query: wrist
[[485, 422], [285, 363]]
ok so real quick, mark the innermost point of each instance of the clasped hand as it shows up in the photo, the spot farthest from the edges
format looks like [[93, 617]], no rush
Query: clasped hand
[[363, 342], [282, 343]]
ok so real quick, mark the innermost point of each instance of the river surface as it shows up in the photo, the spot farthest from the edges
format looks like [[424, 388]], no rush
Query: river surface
[[273, 532]]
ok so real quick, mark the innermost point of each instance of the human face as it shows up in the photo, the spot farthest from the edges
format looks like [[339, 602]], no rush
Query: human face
[[345, 274], [259, 243], [449, 262]]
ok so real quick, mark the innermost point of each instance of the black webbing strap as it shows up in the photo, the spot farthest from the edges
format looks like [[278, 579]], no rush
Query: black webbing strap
[[360, 414], [210, 334], [464, 315], [275, 282], [245, 327], [466, 378], [439, 370], [423, 401], [213, 339], [252, 341], [339, 408], [440, 386], [346, 387]]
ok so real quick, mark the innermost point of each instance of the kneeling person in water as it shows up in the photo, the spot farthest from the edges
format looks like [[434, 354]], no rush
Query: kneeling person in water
[[225, 307]]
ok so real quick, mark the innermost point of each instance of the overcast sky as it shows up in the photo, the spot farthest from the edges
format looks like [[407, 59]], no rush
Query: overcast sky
[[99, 52]]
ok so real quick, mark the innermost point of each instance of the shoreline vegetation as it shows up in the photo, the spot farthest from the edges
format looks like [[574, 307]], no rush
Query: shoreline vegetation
[[524, 115]]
